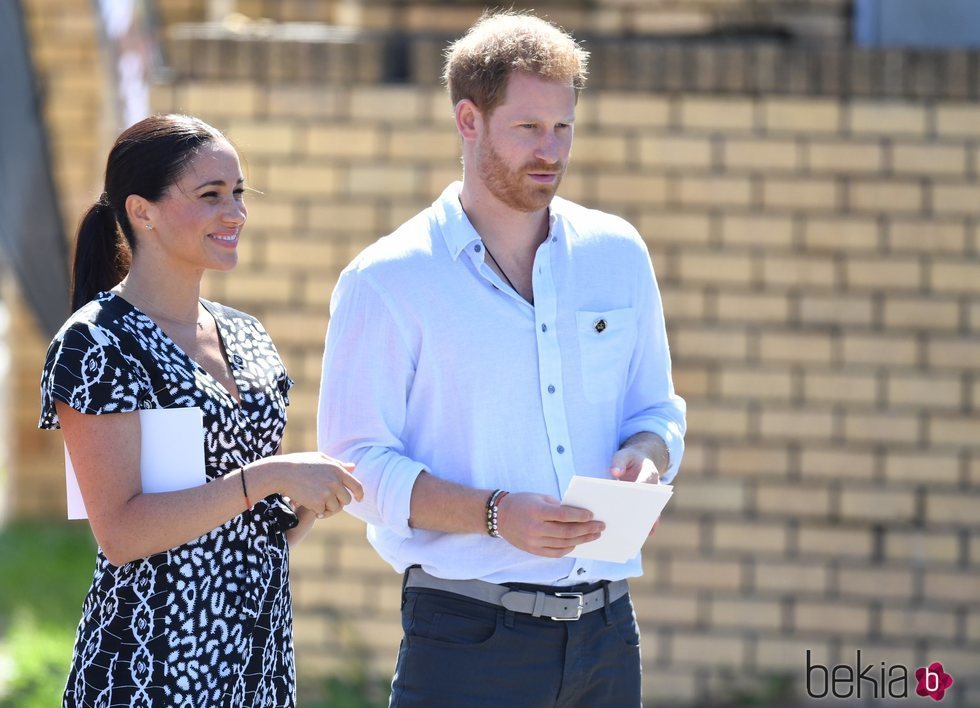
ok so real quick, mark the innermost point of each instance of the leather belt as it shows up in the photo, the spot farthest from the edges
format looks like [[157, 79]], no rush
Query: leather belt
[[557, 605]]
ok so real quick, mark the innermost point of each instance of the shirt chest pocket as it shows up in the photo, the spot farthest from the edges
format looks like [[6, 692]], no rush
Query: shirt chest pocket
[[605, 341]]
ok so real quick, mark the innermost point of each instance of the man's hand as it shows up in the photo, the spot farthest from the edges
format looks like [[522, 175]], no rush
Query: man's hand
[[539, 524], [634, 461]]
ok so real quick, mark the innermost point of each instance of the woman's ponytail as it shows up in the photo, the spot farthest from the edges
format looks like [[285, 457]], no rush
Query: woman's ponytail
[[101, 254]]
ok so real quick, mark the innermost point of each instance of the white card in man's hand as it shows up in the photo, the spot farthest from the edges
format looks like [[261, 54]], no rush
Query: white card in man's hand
[[628, 509], [171, 455]]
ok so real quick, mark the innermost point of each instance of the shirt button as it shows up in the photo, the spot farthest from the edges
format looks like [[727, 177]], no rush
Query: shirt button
[[554, 239], [580, 571], [477, 248], [560, 449], [551, 388], [599, 325], [544, 328]]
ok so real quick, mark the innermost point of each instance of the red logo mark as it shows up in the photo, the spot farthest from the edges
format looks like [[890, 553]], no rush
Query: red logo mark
[[933, 681]]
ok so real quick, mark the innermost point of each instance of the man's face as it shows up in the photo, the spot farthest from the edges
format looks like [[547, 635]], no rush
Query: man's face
[[524, 149]]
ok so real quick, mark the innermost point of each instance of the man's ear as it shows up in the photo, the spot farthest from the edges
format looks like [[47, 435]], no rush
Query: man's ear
[[469, 119]]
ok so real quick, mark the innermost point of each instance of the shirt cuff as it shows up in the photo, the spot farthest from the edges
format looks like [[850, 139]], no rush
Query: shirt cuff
[[395, 495], [671, 434]]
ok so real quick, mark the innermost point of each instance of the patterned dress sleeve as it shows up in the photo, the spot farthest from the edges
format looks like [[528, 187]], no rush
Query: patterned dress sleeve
[[87, 368]]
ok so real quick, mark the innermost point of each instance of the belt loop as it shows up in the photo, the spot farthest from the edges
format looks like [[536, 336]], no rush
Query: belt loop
[[405, 582], [538, 609], [509, 619], [605, 604]]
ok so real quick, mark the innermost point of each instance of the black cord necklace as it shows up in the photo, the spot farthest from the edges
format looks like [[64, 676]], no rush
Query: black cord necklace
[[500, 268]]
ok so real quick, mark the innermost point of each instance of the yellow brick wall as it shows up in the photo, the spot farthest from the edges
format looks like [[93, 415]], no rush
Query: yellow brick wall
[[818, 262]]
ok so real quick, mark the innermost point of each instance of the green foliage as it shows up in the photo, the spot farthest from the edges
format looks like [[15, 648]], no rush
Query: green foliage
[[45, 571]]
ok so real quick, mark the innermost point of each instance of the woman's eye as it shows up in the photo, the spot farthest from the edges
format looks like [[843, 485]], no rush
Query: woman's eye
[[209, 195]]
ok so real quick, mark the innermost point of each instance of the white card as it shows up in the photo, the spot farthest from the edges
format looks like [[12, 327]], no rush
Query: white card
[[628, 509], [171, 455]]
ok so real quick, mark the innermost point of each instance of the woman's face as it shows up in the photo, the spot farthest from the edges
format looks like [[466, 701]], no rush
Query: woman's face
[[197, 223]]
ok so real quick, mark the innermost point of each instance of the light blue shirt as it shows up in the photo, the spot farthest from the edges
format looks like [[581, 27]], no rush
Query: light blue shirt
[[432, 362]]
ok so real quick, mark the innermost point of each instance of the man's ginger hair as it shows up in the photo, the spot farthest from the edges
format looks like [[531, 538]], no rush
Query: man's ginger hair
[[479, 63]]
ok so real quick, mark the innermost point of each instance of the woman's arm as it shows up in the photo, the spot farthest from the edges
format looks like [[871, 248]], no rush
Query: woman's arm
[[128, 524]]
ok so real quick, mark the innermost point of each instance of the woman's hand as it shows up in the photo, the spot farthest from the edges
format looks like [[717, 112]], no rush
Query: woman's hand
[[310, 479]]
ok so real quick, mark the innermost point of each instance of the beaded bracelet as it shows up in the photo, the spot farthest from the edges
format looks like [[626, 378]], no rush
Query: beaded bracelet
[[492, 511]]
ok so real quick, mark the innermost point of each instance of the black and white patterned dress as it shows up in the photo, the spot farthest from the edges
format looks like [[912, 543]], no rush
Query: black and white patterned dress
[[208, 623]]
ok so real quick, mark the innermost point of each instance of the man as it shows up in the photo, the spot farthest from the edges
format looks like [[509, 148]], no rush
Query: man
[[495, 345]]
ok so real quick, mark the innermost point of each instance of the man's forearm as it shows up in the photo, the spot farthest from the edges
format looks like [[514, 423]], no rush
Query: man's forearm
[[651, 446], [439, 505]]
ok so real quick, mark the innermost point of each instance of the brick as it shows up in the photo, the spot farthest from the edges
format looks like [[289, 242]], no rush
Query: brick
[[630, 110], [961, 586], [683, 304], [301, 254], [880, 350], [376, 103], [713, 191], [960, 430], [886, 118], [943, 508], [839, 387], [834, 541], [750, 460], [300, 102], [756, 230], [735, 307], [666, 609], [837, 618], [277, 138], [927, 236], [714, 267], [885, 196], [708, 343], [296, 329], [892, 427], [260, 287], [958, 120], [675, 151], [790, 424], [673, 227], [793, 578], [744, 614], [799, 270], [704, 650], [800, 194], [930, 159], [962, 353], [920, 314], [796, 347], [343, 217], [922, 546], [895, 273], [875, 583], [344, 141], [213, 100], [676, 533], [766, 384], [781, 655], [792, 499], [925, 390], [719, 420], [302, 179], [801, 115], [836, 310], [267, 214], [591, 149], [955, 199], [913, 467], [427, 145], [717, 114], [857, 234], [704, 573], [851, 157], [759, 155], [383, 180], [954, 277], [711, 495], [890, 505], [692, 381], [876, 654], [628, 188]]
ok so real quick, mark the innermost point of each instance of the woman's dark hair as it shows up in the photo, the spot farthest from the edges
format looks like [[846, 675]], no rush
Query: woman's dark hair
[[146, 159]]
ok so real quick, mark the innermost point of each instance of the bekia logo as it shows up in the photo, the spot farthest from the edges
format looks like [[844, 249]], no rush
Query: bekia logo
[[873, 680]]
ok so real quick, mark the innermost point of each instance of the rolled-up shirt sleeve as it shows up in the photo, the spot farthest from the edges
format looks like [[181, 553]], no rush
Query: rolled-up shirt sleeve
[[368, 368], [651, 404]]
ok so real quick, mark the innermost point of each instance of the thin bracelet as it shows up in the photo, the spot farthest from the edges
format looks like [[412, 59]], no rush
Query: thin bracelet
[[493, 511], [248, 503]]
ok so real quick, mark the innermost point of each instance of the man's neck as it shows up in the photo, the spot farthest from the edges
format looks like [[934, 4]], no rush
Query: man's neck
[[516, 234]]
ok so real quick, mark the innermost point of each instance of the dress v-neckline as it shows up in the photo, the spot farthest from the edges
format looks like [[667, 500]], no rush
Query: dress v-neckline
[[236, 396]]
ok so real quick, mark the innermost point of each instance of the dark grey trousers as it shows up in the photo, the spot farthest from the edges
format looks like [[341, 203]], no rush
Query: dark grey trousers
[[463, 653]]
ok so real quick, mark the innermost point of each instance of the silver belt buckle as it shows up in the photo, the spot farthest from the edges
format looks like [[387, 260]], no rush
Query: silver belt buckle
[[578, 613]]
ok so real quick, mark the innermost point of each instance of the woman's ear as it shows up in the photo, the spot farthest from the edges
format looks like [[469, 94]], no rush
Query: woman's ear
[[469, 119], [140, 212]]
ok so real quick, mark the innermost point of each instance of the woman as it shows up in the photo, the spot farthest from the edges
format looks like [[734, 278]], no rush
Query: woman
[[190, 601]]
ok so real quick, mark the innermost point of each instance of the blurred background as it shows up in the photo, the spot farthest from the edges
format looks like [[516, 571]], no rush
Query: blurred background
[[805, 173]]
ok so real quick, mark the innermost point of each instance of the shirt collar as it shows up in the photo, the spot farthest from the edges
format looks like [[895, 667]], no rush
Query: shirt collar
[[457, 229]]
